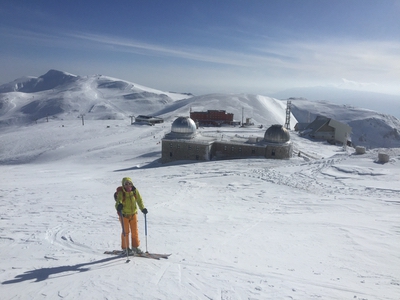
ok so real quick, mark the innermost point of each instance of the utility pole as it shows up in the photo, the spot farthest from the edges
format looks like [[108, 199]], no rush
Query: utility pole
[[287, 123], [83, 120], [345, 142]]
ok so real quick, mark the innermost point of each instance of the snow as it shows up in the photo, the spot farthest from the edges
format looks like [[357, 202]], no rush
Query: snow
[[322, 225], [302, 228], [369, 128], [63, 96]]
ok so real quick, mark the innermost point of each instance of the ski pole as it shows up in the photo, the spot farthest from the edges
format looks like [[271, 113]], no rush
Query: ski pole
[[123, 232], [145, 229]]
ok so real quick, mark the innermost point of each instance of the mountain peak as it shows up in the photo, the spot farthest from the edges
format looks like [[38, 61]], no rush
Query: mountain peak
[[56, 74], [51, 80], [48, 81]]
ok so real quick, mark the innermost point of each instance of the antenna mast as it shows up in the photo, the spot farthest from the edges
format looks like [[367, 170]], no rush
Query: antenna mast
[[287, 123]]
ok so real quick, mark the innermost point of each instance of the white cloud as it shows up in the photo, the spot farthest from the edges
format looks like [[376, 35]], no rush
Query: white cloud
[[257, 61], [354, 84]]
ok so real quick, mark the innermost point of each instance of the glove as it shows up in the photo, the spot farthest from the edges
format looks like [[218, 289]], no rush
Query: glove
[[144, 210], [120, 207]]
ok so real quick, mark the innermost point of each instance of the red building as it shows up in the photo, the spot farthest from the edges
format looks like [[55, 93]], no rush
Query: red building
[[212, 117]]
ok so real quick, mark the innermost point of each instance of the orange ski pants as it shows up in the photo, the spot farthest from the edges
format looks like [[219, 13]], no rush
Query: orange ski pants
[[130, 226]]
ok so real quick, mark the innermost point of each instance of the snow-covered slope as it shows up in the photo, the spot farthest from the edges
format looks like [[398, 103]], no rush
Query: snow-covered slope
[[369, 128], [52, 79], [260, 109], [64, 96], [320, 226], [323, 225], [383, 103]]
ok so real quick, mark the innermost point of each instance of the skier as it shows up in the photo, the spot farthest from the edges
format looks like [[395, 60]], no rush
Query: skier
[[127, 200]]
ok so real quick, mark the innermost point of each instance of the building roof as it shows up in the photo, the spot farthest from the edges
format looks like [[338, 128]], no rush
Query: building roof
[[183, 125], [319, 122], [277, 134]]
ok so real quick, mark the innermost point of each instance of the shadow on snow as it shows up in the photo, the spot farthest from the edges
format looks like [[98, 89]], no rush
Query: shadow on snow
[[44, 273]]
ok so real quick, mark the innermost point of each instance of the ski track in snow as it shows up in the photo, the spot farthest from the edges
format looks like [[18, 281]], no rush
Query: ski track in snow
[[312, 180]]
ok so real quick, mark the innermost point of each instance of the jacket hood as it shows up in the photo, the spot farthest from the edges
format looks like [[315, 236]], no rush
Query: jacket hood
[[126, 179]]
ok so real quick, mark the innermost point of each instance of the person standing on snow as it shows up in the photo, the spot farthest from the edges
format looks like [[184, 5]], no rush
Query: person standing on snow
[[127, 200]]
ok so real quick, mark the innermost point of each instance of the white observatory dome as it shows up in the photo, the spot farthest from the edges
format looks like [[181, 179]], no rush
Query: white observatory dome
[[277, 134], [183, 125]]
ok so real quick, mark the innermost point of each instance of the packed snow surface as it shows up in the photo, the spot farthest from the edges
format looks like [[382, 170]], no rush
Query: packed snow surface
[[322, 225]]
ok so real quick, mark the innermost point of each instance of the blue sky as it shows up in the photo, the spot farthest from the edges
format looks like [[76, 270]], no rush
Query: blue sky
[[206, 46]]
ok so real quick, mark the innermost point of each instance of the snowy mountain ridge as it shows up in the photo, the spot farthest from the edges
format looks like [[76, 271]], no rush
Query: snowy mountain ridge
[[384, 103], [60, 96]]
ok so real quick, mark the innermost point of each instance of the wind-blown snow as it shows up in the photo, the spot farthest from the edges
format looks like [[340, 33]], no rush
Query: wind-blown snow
[[323, 225]]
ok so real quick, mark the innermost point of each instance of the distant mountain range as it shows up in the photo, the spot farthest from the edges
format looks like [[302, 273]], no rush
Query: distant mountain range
[[60, 95]]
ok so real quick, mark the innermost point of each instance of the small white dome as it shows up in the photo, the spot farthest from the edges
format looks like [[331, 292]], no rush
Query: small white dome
[[277, 134], [183, 125]]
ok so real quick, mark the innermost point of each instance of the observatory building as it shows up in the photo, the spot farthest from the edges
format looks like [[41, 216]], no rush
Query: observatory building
[[185, 143]]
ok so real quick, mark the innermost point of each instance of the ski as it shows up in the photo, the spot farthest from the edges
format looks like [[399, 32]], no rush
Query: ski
[[157, 256], [153, 255]]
